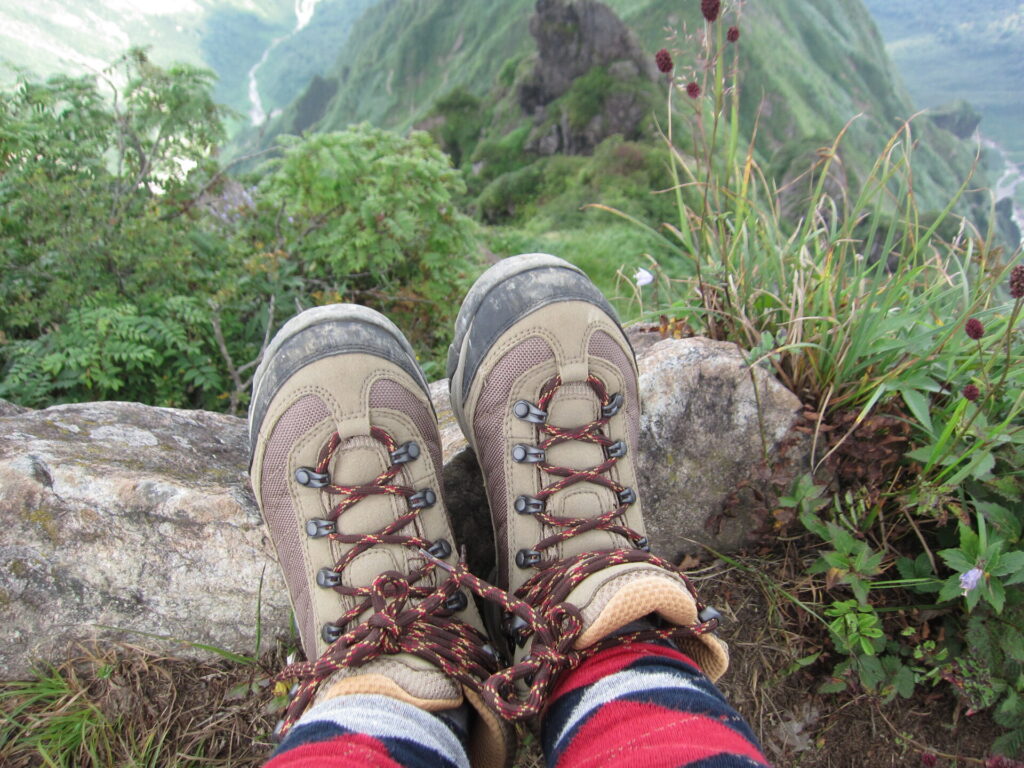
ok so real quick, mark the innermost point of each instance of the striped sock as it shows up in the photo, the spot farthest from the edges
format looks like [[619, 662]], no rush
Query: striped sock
[[644, 705], [366, 729]]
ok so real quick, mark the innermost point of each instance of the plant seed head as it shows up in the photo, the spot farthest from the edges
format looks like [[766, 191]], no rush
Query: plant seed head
[[1017, 282], [664, 60]]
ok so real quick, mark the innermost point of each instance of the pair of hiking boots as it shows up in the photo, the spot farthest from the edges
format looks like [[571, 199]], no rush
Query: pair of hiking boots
[[346, 467]]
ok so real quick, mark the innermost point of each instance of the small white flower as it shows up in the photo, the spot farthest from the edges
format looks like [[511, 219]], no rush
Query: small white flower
[[970, 579], [642, 277]]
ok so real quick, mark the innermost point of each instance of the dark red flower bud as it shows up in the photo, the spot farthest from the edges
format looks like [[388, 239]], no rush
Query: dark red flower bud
[[710, 8], [732, 36], [693, 90], [928, 759], [1017, 282], [664, 60], [974, 329], [972, 393]]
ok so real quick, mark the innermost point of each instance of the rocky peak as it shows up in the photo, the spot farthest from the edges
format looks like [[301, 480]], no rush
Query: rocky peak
[[589, 78], [573, 36]]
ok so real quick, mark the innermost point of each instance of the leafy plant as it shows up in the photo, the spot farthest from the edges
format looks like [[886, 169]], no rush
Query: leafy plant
[[860, 303], [852, 562]]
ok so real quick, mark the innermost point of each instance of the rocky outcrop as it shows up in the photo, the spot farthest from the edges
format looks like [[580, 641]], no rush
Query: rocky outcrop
[[123, 521], [706, 442], [588, 80], [573, 37], [958, 117]]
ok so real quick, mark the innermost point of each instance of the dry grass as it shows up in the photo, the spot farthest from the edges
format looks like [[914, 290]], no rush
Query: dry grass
[[137, 708], [124, 705]]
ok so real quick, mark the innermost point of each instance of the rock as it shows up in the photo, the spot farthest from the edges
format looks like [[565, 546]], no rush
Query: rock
[[588, 56], [7, 408], [573, 36], [701, 444], [140, 518], [123, 515], [958, 117]]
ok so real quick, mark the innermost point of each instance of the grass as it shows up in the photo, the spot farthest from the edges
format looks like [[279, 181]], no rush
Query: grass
[[126, 706]]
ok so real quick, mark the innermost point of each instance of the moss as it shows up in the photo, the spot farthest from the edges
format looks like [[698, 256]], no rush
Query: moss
[[585, 99], [18, 568], [45, 520]]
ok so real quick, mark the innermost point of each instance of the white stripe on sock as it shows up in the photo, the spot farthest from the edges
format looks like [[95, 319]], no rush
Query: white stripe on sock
[[387, 718], [620, 684]]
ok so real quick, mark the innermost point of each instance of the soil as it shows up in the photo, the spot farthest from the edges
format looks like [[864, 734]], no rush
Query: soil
[[225, 712]]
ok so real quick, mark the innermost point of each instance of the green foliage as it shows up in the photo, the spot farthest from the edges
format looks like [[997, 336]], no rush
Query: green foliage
[[585, 97], [115, 191], [98, 182], [858, 301], [852, 562], [73, 732], [855, 627], [373, 217], [462, 120]]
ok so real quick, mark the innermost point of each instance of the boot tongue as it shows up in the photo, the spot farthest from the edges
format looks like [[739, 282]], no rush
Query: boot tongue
[[359, 461], [575, 405]]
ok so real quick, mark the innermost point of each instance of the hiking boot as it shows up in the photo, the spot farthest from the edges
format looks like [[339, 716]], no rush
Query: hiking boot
[[346, 468], [544, 385]]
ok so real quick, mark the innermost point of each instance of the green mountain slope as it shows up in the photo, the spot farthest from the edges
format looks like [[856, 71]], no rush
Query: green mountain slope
[[48, 37], [234, 38], [809, 67], [952, 49]]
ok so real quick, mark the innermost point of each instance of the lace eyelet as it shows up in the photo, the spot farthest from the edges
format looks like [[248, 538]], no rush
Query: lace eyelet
[[318, 528], [528, 505], [405, 453], [457, 602], [423, 499], [527, 558], [613, 406], [328, 578], [310, 478], [627, 496], [440, 549], [527, 454], [516, 628], [330, 633], [527, 411], [616, 450]]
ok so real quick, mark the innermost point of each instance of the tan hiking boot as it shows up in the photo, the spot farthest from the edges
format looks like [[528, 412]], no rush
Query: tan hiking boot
[[544, 385], [346, 468]]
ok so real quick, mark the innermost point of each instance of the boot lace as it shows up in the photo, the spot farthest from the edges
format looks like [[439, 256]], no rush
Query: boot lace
[[538, 612], [404, 617]]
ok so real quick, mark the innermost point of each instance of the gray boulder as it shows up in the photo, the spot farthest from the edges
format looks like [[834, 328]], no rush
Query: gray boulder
[[123, 515], [121, 519], [706, 445]]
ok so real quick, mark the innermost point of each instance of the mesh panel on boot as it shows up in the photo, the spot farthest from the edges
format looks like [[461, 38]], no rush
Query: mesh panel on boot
[[280, 513], [602, 345], [490, 440], [389, 394]]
